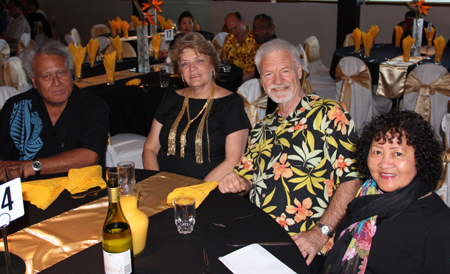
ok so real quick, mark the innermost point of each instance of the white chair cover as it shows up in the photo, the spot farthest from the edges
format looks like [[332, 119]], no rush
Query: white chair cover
[[364, 104], [319, 78], [6, 93], [444, 191], [76, 36], [99, 29], [255, 100], [127, 50], [125, 147], [103, 43], [303, 58], [5, 50], [349, 40], [23, 43], [15, 75], [69, 39], [427, 74], [218, 41]]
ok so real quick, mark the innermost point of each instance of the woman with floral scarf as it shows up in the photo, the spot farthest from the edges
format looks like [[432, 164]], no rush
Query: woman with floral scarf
[[397, 224]]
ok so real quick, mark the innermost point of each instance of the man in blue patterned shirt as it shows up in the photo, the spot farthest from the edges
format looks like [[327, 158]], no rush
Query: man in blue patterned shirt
[[55, 126]]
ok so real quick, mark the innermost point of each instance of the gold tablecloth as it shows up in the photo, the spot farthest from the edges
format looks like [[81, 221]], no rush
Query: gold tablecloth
[[48, 242]]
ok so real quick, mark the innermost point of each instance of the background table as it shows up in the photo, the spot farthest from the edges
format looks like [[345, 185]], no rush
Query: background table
[[169, 252], [378, 54]]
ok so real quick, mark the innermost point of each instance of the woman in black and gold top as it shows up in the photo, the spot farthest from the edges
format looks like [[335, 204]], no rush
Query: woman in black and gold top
[[199, 131]]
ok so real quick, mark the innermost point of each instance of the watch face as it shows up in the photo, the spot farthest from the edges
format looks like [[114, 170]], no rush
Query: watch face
[[36, 165], [325, 229]]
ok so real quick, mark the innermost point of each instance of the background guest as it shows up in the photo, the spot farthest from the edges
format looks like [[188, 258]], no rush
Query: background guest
[[199, 131], [263, 28], [398, 224], [55, 126], [37, 20], [17, 26]]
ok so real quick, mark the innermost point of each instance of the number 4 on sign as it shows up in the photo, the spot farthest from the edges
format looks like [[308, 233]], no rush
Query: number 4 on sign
[[11, 206]]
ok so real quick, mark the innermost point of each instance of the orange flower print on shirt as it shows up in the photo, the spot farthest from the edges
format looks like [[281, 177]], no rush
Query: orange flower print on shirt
[[329, 184], [299, 125], [340, 120], [284, 222], [248, 163], [301, 210], [282, 168], [341, 165]]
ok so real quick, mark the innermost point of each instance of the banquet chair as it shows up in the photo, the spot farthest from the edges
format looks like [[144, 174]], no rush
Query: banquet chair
[[14, 75], [354, 88], [24, 42], [127, 50], [218, 41], [319, 78], [125, 147], [6, 93], [5, 50], [442, 189], [103, 43], [99, 29], [69, 39], [427, 91], [348, 40], [73, 37], [255, 100], [306, 85]]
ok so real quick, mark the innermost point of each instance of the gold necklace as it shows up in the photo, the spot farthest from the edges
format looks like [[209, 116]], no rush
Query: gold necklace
[[198, 138]]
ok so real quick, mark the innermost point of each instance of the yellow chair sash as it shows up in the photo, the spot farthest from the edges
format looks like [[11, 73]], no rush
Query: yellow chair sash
[[306, 86], [252, 108], [392, 77], [362, 78], [423, 103], [5, 52], [14, 74]]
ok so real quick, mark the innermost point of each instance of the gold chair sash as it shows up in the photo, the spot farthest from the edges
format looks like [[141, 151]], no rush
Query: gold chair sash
[[362, 78], [252, 108], [445, 161], [5, 52], [306, 85], [21, 46], [392, 77], [14, 75], [423, 102]]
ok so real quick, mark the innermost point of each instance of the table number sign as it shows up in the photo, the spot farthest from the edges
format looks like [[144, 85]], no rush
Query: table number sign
[[168, 34], [11, 205]]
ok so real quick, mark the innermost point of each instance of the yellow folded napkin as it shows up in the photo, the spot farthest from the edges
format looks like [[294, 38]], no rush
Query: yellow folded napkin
[[398, 35], [125, 27], [83, 179], [156, 41], [92, 48], [78, 53], [42, 193], [439, 45], [430, 35], [135, 21], [109, 61], [168, 24], [199, 192], [133, 82], [407, 44], [356, 35], [117, 44], [115, 26], [374, 31], [161, 21], [119, 24], [368, 42]]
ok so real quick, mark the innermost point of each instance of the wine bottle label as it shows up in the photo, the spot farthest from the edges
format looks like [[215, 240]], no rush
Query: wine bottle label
[[117, 263]]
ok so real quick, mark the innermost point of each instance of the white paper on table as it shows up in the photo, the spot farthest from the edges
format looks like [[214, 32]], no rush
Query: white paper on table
[[254, 259]]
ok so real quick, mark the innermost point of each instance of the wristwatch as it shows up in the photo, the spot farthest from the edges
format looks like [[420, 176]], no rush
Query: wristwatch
[[325, 229], [36, 165]]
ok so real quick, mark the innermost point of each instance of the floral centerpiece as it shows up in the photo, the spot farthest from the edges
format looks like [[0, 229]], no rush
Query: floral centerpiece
[[420, 10]]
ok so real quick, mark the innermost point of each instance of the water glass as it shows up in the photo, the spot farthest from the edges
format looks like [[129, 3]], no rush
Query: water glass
[[115, 176], [128, 166], [164, 79], [14, 171], [184, 207]]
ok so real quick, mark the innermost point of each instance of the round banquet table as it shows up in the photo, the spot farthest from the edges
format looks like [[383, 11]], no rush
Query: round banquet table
[[379, 54], [169, 252]]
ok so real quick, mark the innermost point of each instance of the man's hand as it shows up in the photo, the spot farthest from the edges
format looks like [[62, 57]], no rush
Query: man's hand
[[310, 243], [233, 183]]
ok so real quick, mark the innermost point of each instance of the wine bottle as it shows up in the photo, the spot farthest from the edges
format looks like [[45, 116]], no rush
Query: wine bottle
[[117, 241]]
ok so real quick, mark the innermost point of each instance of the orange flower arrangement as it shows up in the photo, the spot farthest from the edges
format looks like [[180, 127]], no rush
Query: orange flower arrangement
[[418, 8], [153, 4]]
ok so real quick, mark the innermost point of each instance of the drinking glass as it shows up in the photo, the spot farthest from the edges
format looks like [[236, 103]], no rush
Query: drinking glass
[[13, 171], [115, 176], [184, 207], [164, 79], [128, 166]]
